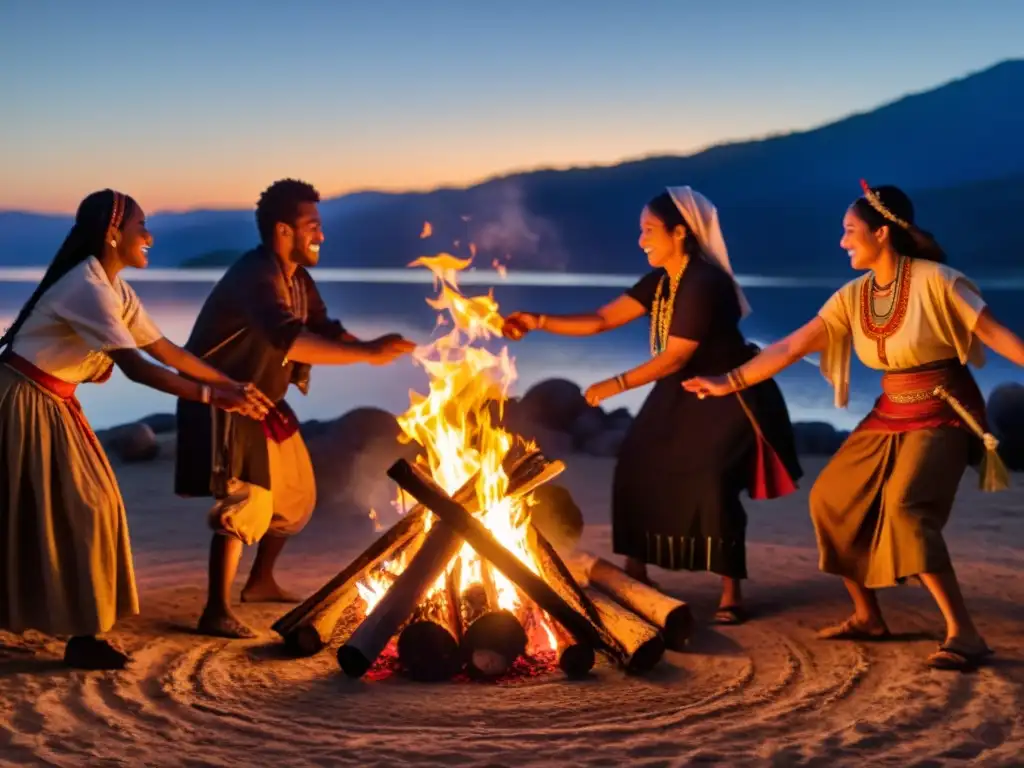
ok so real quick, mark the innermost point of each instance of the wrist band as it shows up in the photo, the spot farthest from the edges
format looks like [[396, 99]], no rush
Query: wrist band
[[542, 320], [205, 394], [621, 381]]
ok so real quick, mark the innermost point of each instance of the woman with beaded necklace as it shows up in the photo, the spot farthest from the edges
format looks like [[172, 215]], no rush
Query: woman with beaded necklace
[[881, 503], [685, 461]]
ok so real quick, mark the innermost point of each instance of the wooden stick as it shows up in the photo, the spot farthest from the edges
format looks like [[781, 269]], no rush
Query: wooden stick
[[400, 534], [672, 616], [426, 491], [574, 658], [641, 644], [442, 544], [492, 643], [428, 646], [359, 652]]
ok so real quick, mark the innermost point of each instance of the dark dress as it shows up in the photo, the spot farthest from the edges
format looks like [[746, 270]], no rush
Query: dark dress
[[684, 462]]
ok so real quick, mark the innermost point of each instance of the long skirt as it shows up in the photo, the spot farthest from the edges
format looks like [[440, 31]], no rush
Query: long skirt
[[65, 560], [680, 472], [880, 504]]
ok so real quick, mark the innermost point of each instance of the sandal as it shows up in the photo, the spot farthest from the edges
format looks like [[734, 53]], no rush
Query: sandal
[[730, 615], [850, 630], [953, 659]]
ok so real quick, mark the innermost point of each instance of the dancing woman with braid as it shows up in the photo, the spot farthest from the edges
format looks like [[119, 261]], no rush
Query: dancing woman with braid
[[65, 560], [685, 461], [881, 503]]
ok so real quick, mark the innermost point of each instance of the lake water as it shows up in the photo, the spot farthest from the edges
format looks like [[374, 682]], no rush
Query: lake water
[[371, 304]]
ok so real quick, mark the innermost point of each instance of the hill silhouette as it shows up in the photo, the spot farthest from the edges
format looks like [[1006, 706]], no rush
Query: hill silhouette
[[956, 149]]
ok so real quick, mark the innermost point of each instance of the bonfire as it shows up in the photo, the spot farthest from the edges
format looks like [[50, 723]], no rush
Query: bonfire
[[465, 581]]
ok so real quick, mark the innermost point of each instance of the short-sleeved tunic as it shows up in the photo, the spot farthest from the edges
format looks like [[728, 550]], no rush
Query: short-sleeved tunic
[[65, 558], [685, 461], [880, 504]]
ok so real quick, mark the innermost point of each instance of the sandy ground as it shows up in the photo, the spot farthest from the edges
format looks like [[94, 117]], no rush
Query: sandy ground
[[765, 693]]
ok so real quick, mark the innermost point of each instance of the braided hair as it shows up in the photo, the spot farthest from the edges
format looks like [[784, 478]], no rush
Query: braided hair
[[96, 214]]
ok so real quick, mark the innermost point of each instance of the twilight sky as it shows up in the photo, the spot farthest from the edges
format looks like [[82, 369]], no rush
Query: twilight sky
[[186, 103]]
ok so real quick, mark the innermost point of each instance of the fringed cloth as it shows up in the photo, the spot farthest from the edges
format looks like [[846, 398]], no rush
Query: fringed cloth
[[881, 503], [65, 557]]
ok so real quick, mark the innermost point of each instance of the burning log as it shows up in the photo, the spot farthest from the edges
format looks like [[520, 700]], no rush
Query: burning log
[[639, 644], [671, 615], [426, 491], [428, 647], [576, 659], [493, 638], [492, 643], [309, 626], [372, 635], [441, 545]]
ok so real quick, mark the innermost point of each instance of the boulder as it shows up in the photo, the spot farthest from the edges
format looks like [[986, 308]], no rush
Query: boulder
[[588, 425], [161, 423], [351, 456], [620, 418], [1005, 410], [606, 444], [817, 438], [554, 403], [133, 443]]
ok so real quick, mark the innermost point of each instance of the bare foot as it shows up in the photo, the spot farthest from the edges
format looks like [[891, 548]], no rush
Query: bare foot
[[268, 592], [856, 629], [217, 624]]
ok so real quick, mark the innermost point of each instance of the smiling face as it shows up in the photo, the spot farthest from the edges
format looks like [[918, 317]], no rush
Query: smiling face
[[302, 240], [660, 245], [133, 240], [863, 246]]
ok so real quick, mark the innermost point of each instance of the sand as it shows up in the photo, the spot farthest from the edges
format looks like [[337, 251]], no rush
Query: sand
[[765, 693]]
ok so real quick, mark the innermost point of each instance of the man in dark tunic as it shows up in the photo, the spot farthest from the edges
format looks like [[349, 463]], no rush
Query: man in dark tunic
[[263, 322]]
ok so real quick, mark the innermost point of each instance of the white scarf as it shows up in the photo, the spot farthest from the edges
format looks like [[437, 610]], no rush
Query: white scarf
[[702, 217]]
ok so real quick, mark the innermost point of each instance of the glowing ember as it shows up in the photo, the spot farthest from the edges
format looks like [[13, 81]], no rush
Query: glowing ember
[[454, 423]]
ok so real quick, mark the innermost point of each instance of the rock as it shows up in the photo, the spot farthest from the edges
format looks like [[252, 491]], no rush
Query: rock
[[817, 438], [588, 425], [554, 444], [557, 515], [554, 403], [351, 456], [161, 423], [620, 418], [1005, 411], [606, 444], [134, 443]]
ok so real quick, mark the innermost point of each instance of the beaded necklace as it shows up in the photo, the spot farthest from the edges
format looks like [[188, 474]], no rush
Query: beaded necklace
[[662, 308]]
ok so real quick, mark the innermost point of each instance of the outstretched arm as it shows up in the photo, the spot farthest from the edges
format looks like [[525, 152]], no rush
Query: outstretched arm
[[165, 351], [615, 314], [811, 338], [676, 355], [999, 338], [227, 395]]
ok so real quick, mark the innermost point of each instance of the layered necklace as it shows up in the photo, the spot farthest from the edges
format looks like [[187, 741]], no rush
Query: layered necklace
[[883, 308], [662, 308]]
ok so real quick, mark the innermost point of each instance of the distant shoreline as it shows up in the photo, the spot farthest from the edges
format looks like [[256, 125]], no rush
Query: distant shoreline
[[488, 277]]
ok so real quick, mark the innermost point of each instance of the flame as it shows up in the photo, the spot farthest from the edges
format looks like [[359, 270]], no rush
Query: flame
[[454, 423]]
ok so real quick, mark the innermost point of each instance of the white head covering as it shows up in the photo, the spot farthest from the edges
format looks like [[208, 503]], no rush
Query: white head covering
[[702, 218]]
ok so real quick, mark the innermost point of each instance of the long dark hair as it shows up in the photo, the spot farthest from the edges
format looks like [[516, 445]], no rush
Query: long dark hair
[[909, 240], [86, 238], [667, 212]]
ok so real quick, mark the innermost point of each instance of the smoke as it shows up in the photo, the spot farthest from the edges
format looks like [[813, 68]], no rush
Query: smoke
[[505, 229]]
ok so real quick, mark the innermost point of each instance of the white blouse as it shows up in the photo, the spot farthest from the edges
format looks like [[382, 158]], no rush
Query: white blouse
[[79, 319], [934, 318]]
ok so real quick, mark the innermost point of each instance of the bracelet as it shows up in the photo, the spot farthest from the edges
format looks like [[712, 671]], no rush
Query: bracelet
[[205, 394], [621, 381], [542, 320], [736, 380]]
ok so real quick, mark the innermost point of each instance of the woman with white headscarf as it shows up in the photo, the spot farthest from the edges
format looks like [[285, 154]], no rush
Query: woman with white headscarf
[[686, 459]]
